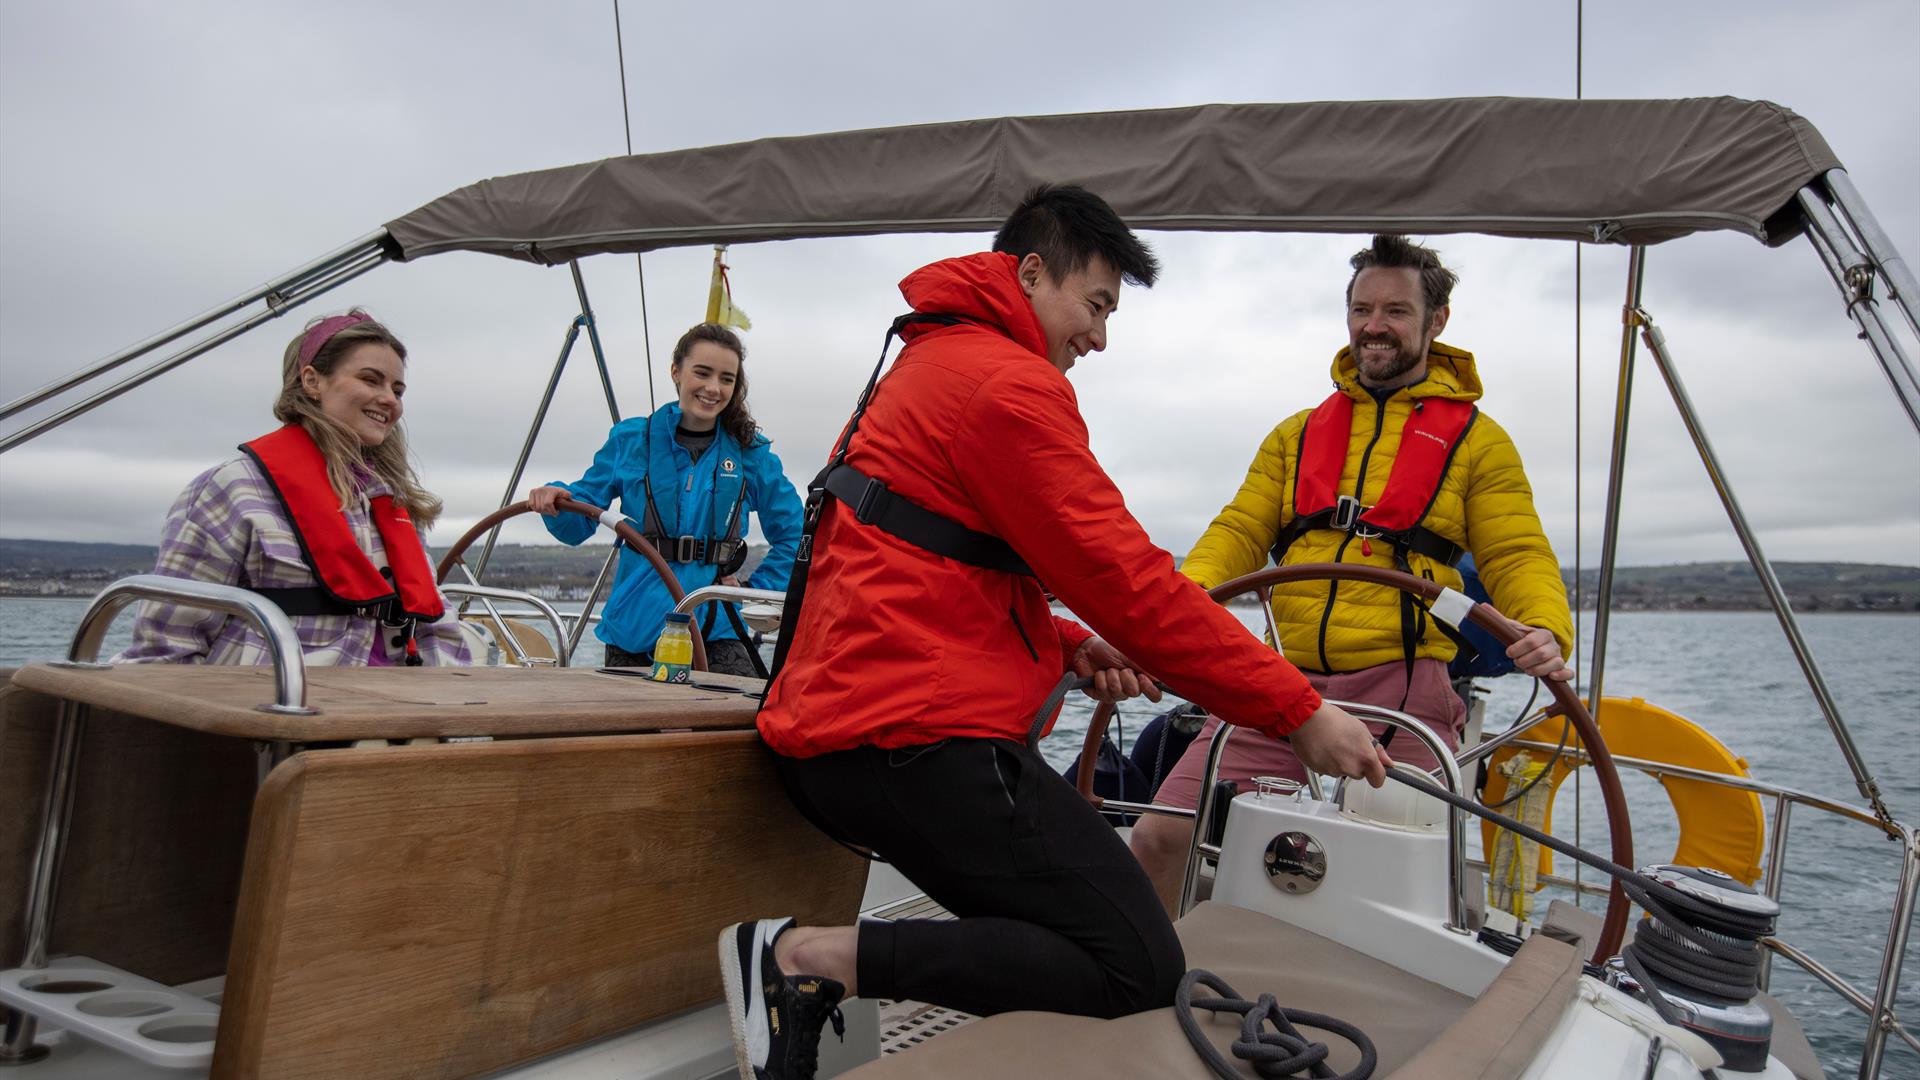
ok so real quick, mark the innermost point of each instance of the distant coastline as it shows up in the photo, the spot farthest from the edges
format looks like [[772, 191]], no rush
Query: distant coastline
[[53, 568]]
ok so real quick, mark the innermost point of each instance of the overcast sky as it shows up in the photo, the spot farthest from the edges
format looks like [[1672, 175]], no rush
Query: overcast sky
[[156, 158]]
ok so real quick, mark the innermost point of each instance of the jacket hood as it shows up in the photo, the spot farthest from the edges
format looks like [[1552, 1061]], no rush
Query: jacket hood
[[980, 287], [1450, 374]]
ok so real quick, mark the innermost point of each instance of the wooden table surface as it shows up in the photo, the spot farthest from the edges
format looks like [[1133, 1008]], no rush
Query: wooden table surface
[[367, 703]]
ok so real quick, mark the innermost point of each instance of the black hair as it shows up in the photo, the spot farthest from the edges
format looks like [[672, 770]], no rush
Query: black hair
[[1393, 251], [1066, 225]]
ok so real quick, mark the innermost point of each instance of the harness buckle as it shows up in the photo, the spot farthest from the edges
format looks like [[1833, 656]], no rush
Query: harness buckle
[[686, 548], [1346, 513], [872, 498]]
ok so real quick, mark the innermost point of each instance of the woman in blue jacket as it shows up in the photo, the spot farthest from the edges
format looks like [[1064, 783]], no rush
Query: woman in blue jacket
[[689, 475]]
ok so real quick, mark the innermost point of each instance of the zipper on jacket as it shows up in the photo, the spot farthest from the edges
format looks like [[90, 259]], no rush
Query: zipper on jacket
[[1024, 639], [1359, 488]]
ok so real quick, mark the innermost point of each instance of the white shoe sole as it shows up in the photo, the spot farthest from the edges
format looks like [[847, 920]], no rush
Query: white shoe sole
[[745, 1012]]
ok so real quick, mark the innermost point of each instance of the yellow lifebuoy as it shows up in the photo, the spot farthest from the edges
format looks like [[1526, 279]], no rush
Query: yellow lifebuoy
[[1720, 827]]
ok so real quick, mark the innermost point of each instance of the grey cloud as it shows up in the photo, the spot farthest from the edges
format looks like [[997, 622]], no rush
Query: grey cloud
[[151, 170]]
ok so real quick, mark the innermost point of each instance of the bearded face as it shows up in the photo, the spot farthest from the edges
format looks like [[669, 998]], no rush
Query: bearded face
[[1388, 326]]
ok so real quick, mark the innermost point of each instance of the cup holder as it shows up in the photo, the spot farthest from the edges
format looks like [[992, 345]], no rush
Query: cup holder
[[181, 1029], [126, 1004], [65, 982]]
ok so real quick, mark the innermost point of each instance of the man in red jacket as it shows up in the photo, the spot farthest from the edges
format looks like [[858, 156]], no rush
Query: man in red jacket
[[900, 715]]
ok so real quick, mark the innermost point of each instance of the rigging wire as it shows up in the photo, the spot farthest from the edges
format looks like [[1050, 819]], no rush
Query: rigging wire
[[1579, 79], [639, 260]]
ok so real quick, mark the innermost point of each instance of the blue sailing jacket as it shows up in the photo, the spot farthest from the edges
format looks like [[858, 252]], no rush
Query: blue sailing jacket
[[693, 499]]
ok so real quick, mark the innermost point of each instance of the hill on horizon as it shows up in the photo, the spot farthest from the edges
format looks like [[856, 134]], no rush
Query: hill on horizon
[[69, 568]]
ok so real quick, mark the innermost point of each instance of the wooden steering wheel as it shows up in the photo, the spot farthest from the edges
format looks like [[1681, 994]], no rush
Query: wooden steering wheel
[[627, 533], [1565, 703]]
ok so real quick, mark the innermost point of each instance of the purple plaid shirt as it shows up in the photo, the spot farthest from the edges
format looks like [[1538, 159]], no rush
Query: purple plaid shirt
[[228, 527]]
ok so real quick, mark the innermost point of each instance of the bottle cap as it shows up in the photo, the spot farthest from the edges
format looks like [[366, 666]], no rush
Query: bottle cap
[[678, 617]]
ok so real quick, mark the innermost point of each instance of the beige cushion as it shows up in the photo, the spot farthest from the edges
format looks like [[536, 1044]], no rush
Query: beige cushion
[[1253, 953], [1506, 1027]]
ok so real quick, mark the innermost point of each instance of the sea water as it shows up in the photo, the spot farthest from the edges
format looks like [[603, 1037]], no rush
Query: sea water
[[1731, 672]]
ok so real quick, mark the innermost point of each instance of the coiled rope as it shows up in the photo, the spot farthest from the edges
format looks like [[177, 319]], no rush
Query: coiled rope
[[1273, 1054]]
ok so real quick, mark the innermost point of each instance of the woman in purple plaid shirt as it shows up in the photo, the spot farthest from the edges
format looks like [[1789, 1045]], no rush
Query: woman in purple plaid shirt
[[324, 516]]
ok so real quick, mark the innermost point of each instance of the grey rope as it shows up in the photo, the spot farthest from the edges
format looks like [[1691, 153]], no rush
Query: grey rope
[[1273, 1054], [639, 260]]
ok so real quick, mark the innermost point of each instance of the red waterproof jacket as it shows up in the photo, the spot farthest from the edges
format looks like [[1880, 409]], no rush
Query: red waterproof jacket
[[898, 646]]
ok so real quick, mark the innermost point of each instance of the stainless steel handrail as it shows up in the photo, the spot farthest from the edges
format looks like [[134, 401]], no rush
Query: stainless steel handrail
[[1448, 772], [56, 809], [1838, 985], [283, 643], [1494, 742], [1863, 815], [708, 593], [1879, 1010], [1203, 819], [560, 648], [486, 601]]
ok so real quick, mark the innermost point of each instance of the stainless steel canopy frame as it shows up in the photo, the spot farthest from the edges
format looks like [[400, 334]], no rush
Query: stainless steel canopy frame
[[279, 296], [1857, 276]]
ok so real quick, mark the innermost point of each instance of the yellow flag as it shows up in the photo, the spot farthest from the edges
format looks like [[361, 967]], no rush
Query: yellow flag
[[720, 306]]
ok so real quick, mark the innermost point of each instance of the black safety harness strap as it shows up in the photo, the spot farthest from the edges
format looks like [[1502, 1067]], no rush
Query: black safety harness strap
[[729, 547], [873, 504], [882, 508], [311, 600], [696, 549], [1344, 516]]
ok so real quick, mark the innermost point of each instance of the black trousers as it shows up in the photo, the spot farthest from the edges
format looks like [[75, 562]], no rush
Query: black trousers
[[728, 656], [1053, 912]]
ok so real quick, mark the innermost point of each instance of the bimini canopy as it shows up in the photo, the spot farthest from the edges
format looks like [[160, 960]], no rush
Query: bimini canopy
[[1629, 172]]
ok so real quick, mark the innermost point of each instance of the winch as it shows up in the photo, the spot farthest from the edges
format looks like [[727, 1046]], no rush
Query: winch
[[1697, 958]]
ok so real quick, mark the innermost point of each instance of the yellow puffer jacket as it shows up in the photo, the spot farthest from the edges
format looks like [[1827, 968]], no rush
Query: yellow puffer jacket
[[1484, 505]]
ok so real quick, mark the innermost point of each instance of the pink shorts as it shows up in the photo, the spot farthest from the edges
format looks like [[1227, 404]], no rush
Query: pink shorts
[[1249, 754]]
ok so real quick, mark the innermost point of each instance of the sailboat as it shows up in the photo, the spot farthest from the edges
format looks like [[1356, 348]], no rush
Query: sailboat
[[518, 870]]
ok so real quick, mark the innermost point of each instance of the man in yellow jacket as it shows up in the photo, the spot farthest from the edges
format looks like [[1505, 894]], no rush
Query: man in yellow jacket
[[1396, 469]]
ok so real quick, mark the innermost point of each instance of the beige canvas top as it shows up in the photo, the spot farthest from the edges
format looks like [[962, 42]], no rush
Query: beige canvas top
[[1629, 172]]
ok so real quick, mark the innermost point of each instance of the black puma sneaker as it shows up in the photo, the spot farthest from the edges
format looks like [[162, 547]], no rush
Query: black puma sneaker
[[776, 1017]]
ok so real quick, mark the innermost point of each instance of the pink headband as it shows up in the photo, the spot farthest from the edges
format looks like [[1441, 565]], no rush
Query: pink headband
[[322, 332]]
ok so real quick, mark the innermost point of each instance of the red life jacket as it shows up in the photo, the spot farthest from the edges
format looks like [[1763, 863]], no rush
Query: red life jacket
[[1433, 431], [297, 473]]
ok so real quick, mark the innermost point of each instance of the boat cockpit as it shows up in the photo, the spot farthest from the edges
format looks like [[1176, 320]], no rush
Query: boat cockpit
[[517, 870]]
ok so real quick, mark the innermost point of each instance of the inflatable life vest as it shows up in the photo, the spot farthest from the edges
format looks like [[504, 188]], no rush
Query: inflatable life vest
[[349, 582], [1434, 430]]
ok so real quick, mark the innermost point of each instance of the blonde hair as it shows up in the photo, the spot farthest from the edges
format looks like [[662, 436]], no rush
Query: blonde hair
[[341, 447]]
